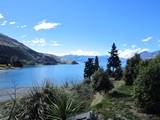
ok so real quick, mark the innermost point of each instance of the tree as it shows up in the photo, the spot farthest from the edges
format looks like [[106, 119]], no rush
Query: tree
[[132, 69], [114, 64], [147, 87], [101, 81], [89, 68], [96, 64]]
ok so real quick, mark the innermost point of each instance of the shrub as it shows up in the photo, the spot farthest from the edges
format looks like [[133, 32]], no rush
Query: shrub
[[147, 86], [46, 103], [101, 81], [63, 107], [118, 73], [132, 69]]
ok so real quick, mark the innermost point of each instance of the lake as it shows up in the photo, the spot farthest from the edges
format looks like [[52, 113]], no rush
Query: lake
[[36, 75]]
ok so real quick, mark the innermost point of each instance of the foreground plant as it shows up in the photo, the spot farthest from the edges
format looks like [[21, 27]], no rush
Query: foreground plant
[[64, 106], [45, 103]]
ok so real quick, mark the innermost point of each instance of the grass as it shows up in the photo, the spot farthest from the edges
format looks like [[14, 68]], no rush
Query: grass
[[118, 104]]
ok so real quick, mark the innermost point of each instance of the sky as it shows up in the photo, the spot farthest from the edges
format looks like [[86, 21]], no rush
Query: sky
[[83, 27]]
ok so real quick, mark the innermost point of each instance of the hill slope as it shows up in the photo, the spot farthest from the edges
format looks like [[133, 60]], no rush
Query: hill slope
[[148, 55], [11, 49]]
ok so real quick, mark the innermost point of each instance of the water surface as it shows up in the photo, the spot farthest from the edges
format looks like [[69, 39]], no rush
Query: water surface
[[29, 76]]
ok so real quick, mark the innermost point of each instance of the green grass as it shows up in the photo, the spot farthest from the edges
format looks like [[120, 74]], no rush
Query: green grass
[[118, 104]]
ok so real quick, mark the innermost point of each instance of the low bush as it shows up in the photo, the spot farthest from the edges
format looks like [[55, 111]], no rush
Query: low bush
[[147, 86], [46, 103], [132, 69], [101, 81]]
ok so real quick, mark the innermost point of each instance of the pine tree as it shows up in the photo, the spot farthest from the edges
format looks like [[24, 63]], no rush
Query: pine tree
[[114, 64], [96, 64], [89, 68]]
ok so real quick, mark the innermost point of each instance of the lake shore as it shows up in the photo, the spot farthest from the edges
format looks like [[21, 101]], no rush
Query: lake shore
[[6, 93]]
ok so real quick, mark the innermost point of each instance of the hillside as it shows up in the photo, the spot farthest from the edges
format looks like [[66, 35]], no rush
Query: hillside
[[11, 49], [149, 55]]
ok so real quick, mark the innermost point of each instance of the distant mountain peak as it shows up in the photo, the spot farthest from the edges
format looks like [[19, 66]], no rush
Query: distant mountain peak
[[148, 55]]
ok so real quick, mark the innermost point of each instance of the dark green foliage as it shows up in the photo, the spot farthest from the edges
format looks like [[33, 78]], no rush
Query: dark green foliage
[[131, 70], [89, 68], [46, 103], [101, 81], [147, 86], [96, 64], [118, 73], [62, 107], [114, 64]]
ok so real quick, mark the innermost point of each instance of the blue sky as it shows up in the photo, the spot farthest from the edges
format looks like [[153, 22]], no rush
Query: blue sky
[[86, 27]]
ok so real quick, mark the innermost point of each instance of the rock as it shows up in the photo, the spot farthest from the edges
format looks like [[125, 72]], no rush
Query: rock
[[85, 116]]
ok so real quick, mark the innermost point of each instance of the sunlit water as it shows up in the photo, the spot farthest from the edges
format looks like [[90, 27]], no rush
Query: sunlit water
[[36, 75], [29, 76]]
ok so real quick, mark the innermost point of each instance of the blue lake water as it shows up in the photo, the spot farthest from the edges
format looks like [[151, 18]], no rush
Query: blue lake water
[[29, 76], [36, 75]]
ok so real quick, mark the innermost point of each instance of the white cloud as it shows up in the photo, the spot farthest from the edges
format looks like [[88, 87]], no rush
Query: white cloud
[[4, 23], [147, 39], [23, 26], [79, 52], [1, 16], [55, 44], [12, 22], [44, 25], [39, 41], [128, 53]]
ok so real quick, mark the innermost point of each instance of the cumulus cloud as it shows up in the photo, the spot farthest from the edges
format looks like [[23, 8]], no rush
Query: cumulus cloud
[[1, 16], [55, 44], [147, 39], [79, 52], [23, 26], [12, 22], [44, 25], [128, 53], [4, 23], [39, 41]]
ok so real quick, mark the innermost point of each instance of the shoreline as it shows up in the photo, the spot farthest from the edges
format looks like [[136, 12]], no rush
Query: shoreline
[[6, 93], [3, 67]]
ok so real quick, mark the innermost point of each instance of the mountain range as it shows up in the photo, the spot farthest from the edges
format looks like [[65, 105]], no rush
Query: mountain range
[[102, 59], [83, 58], [148, 55], [11, 49]]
